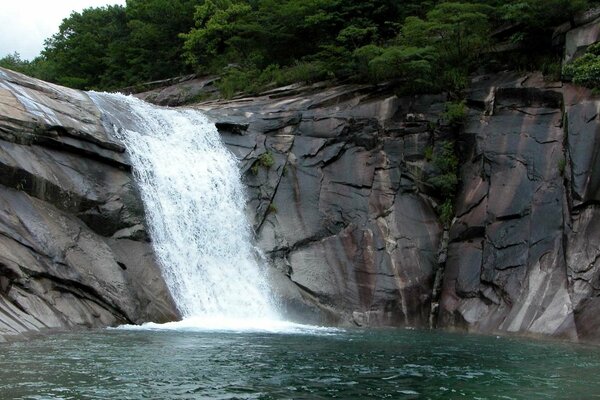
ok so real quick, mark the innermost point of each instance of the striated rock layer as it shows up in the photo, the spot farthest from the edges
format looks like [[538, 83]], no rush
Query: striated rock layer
[[523, 247]]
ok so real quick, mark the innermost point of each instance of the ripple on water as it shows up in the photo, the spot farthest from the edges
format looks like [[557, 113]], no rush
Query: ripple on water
[[167, 363]]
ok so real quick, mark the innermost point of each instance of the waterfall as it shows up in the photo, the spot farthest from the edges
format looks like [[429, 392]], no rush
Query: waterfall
[[194, 201]]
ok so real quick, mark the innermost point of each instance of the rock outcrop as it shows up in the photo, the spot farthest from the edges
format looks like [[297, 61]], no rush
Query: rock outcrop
[[341, 202], [522, 253], [339, 196], [74, 249]]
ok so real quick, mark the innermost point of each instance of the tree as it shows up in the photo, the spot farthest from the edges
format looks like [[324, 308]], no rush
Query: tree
[[153, 47], [216, 23], [78, 54], [458, 31], [14, 62]]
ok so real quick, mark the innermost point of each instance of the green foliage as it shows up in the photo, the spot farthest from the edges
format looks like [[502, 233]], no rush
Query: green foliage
[[266, 160], [585, 70], [252, 81], [307, 72], [458, 31], [428, 153], [445, 163], [445, 179], [419, 46], [14, 62], [80, 53], [446, 212], [414, 66], [456, 113], [151, 48], [562, 164], [216, 24], [272, 209], [541, 14]]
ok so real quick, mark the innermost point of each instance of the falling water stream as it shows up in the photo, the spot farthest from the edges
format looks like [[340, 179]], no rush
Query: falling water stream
[[194, 201]]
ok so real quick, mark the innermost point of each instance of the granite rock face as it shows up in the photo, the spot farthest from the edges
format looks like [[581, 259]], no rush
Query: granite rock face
[[338, 190], [74, 250], [523, 248], [582, 32], [333, 176]]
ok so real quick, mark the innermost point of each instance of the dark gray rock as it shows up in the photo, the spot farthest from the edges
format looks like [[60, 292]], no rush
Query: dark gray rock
[[177, 92], [522, 254], [343, 213]]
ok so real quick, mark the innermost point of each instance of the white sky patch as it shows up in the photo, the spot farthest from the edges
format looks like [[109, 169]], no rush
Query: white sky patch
[[25, 24]]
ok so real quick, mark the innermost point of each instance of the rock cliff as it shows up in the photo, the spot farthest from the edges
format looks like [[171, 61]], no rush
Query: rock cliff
[[340, 200], [333, 177], [344, 209]]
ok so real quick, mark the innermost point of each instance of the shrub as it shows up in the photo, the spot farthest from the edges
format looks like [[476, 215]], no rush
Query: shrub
[[456, 113], [266, 160], [585, 70], [446, 212], [445, 180], [308, 72]]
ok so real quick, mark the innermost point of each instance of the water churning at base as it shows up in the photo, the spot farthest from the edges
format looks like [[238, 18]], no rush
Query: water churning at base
[[194, 202]]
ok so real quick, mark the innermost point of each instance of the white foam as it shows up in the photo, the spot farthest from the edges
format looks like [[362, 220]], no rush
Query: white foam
[[224, 324]]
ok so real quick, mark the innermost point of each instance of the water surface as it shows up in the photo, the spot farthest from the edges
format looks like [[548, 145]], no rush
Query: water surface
[[394, 364]]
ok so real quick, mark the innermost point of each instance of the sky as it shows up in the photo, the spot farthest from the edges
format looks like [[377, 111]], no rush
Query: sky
[[25, 24]]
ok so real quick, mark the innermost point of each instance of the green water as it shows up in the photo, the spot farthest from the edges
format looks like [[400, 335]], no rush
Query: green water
[[392, 364]]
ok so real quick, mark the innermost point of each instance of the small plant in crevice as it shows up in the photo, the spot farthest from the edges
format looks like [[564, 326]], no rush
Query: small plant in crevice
[[266, 160], [562, 164], [456, 113], [445, 178], [428, 153], [446, 212], [445, 162], [272, 209]]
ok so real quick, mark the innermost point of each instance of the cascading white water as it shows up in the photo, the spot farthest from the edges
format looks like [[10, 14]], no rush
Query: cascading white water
[[194, 201]]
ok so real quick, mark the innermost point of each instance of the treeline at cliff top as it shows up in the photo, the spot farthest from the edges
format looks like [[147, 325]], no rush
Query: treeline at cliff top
[[420, 46]]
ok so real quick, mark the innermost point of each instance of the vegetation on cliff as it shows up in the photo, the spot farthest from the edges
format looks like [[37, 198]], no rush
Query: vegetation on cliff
[[421, 46], [585, 70]]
